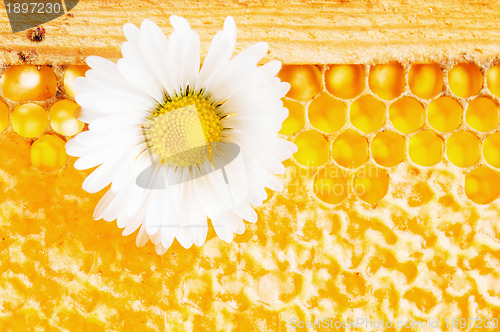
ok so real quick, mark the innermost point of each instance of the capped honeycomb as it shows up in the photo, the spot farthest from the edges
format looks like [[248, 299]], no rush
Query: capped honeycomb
[[390, 211]]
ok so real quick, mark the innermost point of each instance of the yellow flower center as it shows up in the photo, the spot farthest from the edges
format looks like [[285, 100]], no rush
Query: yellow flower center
[[180, 130]]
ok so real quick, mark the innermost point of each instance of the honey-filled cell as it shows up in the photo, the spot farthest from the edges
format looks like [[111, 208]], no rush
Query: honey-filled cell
[[407, 115], [482, 114], [426, 148], [444, 114], [465, 80], [29, 120], [345, 81], [312, 150], [350, 149], [491, 149], [70, 74], [330, 185], [29, 83], [463, 148], [367, 113], [371, 184], [63, 118], [387, 80], [327, 113], [48, 153], [482, 185], [388, 148], [425, 80], [305, 81]]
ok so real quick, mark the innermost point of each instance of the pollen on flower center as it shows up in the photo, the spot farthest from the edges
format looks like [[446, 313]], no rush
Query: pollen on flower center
[[180, 130]]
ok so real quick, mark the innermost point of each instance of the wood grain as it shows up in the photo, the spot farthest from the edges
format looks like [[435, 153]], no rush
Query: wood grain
[[347, 31]]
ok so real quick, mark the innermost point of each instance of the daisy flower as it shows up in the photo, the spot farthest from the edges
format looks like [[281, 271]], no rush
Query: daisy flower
[[177, 144]]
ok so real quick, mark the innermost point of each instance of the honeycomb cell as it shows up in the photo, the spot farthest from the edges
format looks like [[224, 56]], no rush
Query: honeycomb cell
[[305, 81], [24, 83], [312, 149], [48, 153], [425, 80], [345, 81], [387, 81], [463, 148], [367, 113], [62, 118], [371, 183], [29, 120], [482, 114], [70, 74], [444, 114], [491, 149], [465, 80], [482, 185], [327, 113], [296, 117], [388, 148], [350, 149], [330, 185], [426, 148], [493, 80], [4, 116], [407, 115]]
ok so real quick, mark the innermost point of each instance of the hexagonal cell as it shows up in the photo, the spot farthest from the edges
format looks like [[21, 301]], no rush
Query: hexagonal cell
[[24, 83], [350, 149], [407, 115], [4, 116], [491, 149], [482, 114], [482, 185], [345, 81], [330, 185], [327, 113], [305, 81], [465, 80], [29, 120], [444, 114], [48, 153], [388, 148], [493, 80], [463, 148], [387, 81], [371, 183], [367, 113], [426, 148], [425, 80], [63, 118], [312, 149], [70, 74], [296, 117]]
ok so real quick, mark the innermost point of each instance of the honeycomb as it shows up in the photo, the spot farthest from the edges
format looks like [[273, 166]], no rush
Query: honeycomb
[[390, 211]]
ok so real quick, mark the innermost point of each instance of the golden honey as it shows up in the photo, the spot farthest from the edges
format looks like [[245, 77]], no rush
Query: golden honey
[[390, 211]]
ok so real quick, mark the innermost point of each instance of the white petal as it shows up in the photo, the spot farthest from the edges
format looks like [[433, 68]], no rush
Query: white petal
[[142, 237]]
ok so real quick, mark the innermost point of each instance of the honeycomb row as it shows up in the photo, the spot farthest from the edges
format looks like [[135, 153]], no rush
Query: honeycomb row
[[388, 148], [388, 81], [332, 185], [36, 83], [32, 120], [407, 114]]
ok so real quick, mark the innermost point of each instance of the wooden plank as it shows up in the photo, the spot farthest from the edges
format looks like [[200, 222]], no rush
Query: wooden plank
[[346, 31]]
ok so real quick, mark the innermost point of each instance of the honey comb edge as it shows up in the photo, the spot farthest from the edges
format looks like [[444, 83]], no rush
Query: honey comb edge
[[297, 31]]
